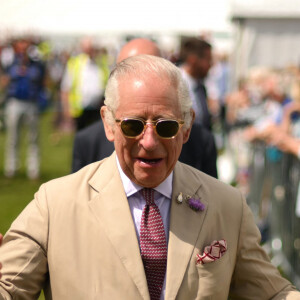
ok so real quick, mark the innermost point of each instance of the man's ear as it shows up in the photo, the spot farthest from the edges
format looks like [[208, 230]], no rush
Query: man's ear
[[109, 131], [187, 132]]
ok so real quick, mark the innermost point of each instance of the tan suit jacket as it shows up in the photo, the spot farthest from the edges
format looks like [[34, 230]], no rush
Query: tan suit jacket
[[77, 240]]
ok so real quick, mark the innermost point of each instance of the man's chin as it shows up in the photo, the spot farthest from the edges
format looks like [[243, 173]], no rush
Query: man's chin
[[149, 180]]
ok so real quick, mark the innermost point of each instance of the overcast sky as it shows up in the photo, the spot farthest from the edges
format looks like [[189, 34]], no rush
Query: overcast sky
[[114, 15]]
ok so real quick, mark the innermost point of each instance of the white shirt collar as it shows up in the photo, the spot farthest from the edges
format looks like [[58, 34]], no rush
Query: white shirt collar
[[165, 188]]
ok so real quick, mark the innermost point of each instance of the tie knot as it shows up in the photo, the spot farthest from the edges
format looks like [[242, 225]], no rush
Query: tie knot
[[148, 194]]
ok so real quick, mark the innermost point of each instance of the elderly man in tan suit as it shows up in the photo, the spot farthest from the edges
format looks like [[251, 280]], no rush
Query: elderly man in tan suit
[[139, 224]]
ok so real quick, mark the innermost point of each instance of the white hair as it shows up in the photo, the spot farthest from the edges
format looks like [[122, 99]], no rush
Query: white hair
[[141, 66]]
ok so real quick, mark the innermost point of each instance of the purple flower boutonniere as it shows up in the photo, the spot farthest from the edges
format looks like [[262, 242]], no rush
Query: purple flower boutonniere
[[195, 204]]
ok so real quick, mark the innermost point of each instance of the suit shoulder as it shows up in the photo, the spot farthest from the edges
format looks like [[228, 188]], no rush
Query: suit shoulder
[[72, 183]]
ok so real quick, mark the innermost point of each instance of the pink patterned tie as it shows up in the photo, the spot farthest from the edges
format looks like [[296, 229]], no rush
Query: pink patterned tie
[[153, 245]]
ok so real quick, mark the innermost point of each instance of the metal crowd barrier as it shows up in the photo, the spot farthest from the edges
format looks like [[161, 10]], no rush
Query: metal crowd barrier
[[274, 192]]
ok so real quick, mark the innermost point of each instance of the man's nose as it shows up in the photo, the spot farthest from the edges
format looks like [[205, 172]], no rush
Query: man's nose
[[149, 139]]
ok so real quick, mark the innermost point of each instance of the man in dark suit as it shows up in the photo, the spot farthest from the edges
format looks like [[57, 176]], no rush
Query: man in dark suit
[[91, 145], [196, 56], [200, 151]]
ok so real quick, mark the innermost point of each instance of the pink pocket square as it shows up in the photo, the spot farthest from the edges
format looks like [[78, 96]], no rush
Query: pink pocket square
[[212, 252]]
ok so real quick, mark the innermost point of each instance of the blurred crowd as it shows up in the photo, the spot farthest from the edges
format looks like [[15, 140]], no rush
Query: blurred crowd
[[264, 109], [265, 106], [59, 66], [33, 78]]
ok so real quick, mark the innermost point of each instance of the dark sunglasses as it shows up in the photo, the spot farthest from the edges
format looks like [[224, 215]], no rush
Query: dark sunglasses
[[164, 128]]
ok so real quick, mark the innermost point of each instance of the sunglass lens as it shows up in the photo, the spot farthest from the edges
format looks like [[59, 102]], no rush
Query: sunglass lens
[[132, 128], [167, 128]]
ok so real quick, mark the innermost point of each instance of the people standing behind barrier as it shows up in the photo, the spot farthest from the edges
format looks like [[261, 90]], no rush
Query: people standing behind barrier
[[274, 178], [275, 102], [82, 87], [244, 107], [24, 81], [286, 135], [247, 104], [196, 57], [254, 111], [285, 142]]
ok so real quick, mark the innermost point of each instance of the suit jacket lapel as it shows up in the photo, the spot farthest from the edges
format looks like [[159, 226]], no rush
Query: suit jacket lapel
[[111, 209], [185, 228]]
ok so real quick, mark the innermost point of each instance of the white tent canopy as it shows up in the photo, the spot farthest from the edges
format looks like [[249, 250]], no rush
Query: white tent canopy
[[265, 8], [113, 16], [266, 34]]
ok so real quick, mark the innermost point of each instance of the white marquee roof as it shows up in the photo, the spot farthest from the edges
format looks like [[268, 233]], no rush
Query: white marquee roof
[[113, 16], [265, 8]]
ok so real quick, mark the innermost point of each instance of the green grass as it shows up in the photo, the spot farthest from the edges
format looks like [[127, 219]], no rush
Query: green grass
[[56, 151], [16, 193]]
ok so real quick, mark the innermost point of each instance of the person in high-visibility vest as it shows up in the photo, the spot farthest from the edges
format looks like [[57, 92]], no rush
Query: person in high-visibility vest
[[82, 87]]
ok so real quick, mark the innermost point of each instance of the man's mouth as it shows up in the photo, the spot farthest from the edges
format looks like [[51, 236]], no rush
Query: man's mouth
[[150, 161]]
